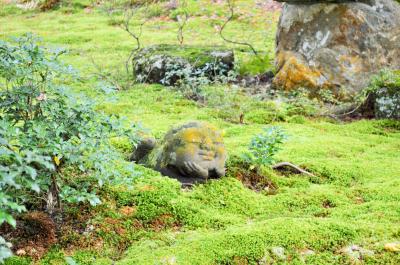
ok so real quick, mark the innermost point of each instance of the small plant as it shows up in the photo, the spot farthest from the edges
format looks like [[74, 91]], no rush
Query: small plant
[[263, 147]]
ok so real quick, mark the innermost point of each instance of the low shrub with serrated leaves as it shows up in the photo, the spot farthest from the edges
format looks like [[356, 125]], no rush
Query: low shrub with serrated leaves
[[264, 146], [45, 131]]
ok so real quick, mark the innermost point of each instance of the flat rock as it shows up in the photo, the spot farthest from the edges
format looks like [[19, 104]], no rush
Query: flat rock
[[336, 46]]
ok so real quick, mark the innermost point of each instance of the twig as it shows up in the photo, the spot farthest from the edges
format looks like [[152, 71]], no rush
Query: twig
[[129, 13], [297, 168], [182, 23], [136, 36], [100, 73], [230, 18]]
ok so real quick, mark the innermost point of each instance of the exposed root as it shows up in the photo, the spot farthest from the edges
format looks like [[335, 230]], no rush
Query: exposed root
[[293, 167]]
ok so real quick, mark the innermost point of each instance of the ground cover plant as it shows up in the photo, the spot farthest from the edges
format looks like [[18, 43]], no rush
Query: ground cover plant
[[346, 212]]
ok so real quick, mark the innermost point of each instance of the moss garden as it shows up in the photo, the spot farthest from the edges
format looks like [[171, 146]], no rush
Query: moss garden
[[72, 111]]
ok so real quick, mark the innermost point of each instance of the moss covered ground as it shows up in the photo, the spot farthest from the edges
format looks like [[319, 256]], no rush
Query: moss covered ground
[[353, 199]]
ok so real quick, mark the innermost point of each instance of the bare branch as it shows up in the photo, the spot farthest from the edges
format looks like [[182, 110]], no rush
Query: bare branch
[[105, 76], [131, 12], [296, 168], [182, 21], [230, 18]]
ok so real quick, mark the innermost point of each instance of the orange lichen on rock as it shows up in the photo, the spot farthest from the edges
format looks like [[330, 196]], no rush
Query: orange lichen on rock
[[350, 63], [294, 73]]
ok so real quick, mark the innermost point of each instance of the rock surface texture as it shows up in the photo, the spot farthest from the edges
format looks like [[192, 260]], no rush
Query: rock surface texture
[[193, 152], [336, 46]]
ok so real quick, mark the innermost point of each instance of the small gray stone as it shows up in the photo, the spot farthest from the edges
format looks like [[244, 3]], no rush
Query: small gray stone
[[279, 252], [356, 253]]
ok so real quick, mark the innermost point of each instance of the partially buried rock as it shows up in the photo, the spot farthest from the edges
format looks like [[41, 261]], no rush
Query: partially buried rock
[[336, 46], [191, 153], [166, 64]]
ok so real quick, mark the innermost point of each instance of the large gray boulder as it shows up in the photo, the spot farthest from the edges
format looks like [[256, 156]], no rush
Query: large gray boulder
[[336, 46]]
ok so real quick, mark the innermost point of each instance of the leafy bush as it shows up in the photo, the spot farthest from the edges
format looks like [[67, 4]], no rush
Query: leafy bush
[[54, 147], [383, 95], [5, 251], [264, 146]]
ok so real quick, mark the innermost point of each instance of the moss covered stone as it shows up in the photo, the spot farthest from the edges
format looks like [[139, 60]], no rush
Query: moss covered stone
[[193, 152], [163, 63]]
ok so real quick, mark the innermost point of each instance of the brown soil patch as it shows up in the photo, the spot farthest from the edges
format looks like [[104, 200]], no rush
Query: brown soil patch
[[34, 234], [256, 182], [164, 221], [252, 178]]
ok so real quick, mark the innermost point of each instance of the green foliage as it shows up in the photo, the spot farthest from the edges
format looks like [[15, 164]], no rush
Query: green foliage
[[300, 102], [45, 130], [5, 251], [263, 147], [385, 79], [383, 94]]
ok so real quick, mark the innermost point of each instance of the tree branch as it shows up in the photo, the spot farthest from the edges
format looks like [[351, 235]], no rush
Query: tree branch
[[230, 18], [296, 168]]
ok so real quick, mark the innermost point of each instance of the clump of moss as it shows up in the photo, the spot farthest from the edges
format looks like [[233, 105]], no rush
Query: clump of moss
[[251, 242], [214, 204]]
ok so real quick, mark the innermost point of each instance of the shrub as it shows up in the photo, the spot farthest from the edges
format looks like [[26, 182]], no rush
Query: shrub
[[264, 146], [45, 132], [383, 95]]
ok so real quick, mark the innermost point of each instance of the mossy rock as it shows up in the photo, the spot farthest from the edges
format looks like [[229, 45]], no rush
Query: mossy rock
[[193, 152], [165, 64]]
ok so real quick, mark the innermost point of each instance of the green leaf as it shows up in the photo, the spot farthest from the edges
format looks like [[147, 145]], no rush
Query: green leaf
[[70, 261], [5, 217]]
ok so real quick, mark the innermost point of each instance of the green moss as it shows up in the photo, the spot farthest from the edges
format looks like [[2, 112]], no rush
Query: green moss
[[353, 199], [255, 65], [15, 260], [252, 242]]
